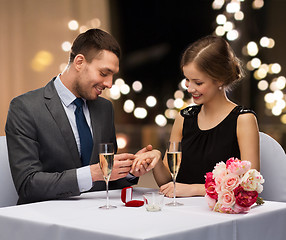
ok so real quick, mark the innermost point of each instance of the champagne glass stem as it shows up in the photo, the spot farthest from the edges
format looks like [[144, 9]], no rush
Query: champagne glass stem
[[107, 196], [174, 197]]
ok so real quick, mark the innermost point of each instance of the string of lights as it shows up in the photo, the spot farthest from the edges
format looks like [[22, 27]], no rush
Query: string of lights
[[230, 13], [266, 74], [120, 87]]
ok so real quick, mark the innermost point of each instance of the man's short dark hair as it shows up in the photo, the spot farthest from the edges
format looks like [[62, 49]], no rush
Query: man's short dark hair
[[91, 42]]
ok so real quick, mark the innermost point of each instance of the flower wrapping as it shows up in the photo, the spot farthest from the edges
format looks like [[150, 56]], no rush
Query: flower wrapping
[[233, 187]]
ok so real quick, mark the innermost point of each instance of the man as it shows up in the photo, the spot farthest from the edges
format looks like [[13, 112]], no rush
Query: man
[[45, 143]]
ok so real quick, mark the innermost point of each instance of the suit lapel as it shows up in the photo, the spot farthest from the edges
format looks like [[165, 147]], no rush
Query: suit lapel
[[56, 109], [96, 131]]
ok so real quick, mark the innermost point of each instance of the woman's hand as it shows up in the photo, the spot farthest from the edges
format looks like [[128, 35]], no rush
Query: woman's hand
[[182, 190], [144, 162]]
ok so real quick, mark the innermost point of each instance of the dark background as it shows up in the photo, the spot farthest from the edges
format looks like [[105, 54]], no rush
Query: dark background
[[154, 33]]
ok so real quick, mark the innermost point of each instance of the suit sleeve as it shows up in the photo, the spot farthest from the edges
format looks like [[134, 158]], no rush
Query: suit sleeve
[[32, 181]]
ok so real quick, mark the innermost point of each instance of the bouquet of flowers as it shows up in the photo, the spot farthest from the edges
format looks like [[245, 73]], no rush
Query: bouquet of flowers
[[233, 187]]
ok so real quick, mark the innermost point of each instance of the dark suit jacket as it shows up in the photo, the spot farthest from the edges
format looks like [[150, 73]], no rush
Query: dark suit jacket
[[42, 149]]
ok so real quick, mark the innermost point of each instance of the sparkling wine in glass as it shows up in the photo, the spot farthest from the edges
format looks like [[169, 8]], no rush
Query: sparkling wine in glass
[[106, 158], [174, 157]]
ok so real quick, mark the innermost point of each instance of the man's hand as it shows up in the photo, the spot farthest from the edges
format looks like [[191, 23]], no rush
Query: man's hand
[[121, 167]]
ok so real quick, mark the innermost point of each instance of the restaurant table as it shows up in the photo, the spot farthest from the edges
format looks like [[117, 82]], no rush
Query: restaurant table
[[79, 218]]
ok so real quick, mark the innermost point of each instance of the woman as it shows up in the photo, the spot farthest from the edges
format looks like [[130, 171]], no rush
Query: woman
[[213, 130]]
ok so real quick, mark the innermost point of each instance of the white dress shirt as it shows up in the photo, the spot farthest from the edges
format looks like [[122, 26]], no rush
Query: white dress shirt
[[67, 97]]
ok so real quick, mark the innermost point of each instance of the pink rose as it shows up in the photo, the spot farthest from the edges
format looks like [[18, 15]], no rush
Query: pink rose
[[245, 198], [209, 176], [218, 181], [211, 202], [230, 182], [239, 209], [219, 169], [231, 161], [226, 198], [223, 209], [236, 166], [210, 186]]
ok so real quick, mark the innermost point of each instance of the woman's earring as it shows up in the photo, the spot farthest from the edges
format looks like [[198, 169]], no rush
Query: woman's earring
[[220, 88]]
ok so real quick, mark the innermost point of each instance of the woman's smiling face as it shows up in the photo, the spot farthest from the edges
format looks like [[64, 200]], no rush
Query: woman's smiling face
[[200, 85]]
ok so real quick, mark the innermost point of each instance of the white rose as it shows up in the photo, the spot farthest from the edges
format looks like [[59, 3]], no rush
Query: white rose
[[252, 181]]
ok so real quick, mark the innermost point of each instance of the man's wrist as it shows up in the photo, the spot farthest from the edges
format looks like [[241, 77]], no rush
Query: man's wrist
[[84, 179]]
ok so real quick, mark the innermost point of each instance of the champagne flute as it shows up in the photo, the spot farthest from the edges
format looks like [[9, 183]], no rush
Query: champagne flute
[[174, 157], [106, 158]]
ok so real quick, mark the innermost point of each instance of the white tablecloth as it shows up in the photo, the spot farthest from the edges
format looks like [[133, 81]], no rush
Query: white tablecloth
[[80, 218]]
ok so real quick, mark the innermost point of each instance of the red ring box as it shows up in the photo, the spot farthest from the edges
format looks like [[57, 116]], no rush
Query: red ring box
[[126, 197]]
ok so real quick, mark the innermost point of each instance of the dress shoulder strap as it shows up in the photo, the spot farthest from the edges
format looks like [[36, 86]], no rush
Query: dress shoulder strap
[[190, 111], [242, 110]]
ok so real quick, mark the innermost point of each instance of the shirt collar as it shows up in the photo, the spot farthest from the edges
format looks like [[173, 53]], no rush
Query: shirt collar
[[66, 96]]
